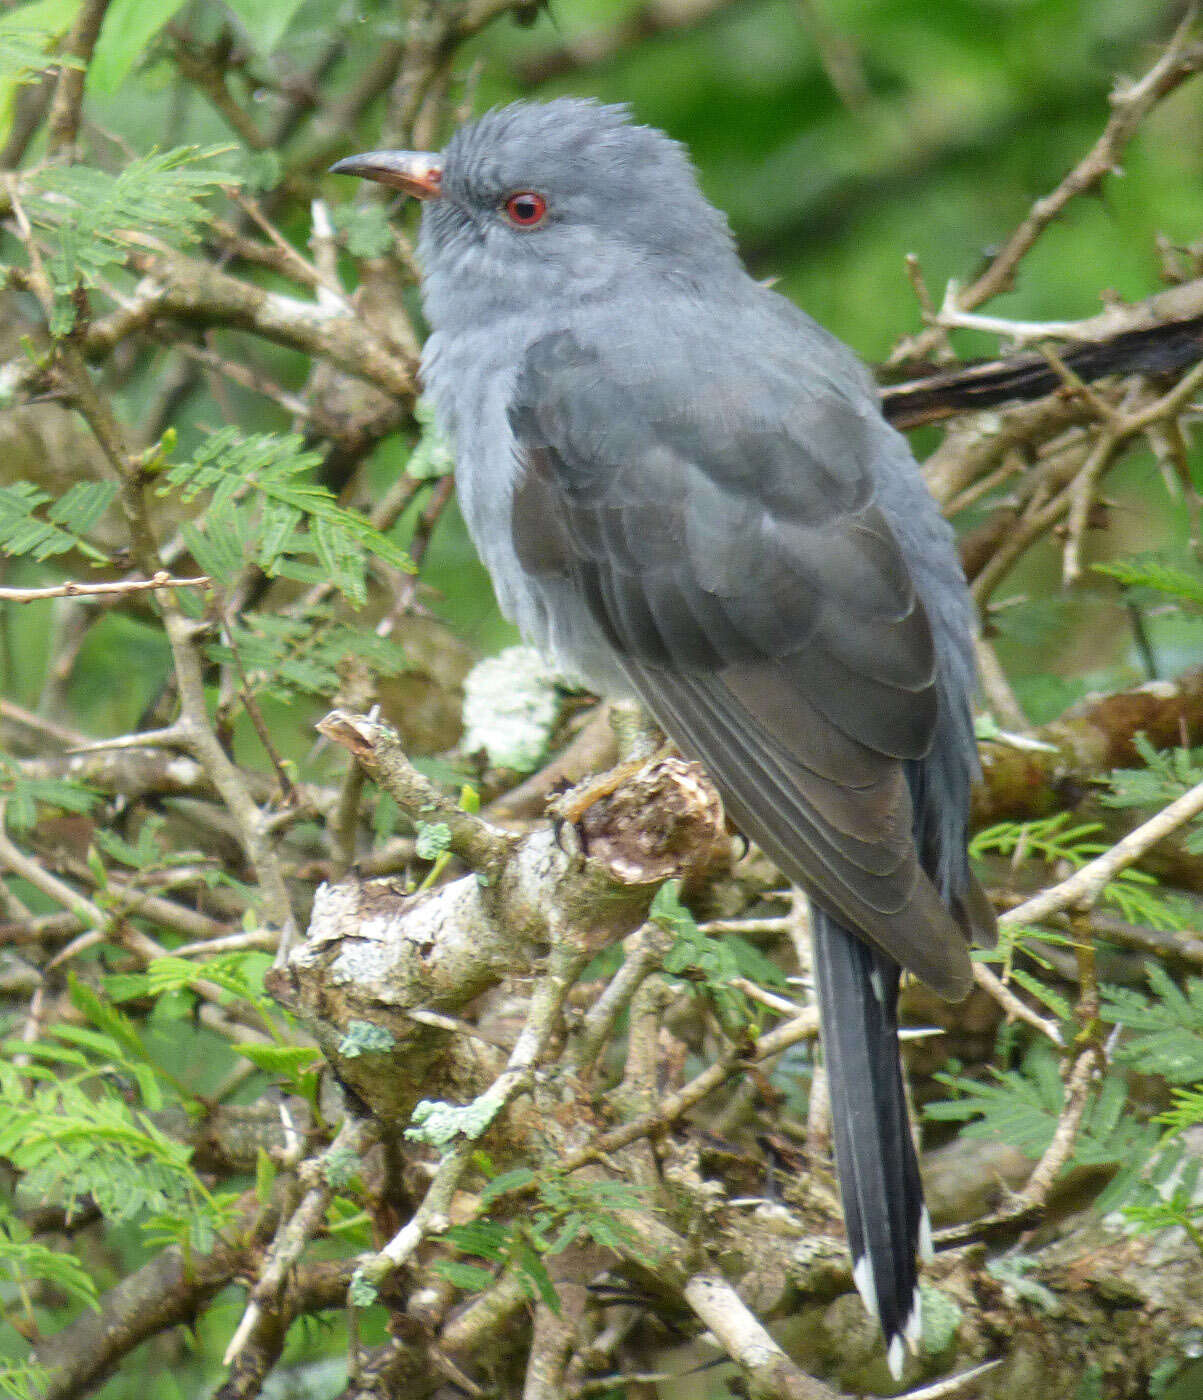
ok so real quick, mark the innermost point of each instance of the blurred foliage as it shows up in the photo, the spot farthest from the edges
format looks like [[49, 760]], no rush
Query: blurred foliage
[[839, 135]]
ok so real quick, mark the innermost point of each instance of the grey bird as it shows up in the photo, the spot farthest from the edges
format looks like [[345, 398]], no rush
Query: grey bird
[[684, 490]]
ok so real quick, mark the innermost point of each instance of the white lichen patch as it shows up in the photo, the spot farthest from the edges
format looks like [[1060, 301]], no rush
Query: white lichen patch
[[511, 706], [941, 1317], [439, 1124], [184, 771], [363, 961]]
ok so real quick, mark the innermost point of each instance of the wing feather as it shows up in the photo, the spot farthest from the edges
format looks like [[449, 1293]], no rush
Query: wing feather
[[755, 596]]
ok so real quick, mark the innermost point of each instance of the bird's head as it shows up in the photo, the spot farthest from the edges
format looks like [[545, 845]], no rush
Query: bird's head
[[553, 202]]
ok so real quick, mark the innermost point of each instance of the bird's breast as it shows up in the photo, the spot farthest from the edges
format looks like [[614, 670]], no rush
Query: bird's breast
[[471, 378]]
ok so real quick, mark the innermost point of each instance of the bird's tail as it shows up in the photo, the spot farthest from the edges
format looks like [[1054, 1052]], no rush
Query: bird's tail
[[878, 1172]]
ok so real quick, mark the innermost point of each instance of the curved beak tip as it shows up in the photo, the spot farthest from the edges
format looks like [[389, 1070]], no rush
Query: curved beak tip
[[414, 172]]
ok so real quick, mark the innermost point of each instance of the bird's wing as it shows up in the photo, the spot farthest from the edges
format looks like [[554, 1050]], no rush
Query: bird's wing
[[756, 597]]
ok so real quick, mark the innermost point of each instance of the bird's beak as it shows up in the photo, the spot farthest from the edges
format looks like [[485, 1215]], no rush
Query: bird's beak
[[416, 172]]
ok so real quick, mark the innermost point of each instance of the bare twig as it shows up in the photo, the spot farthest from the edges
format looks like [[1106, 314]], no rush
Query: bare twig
[[672, 1106], [378, 749], [746, 1342], [952, 1386], [117, 588], [67, 104], [1083, 888], [997, 688], [1130, 103], [644, 951], [172, 1288], [1077, 1095], [204, 69], [551, 1344], [251, 705], [90, 915], [1016, 1009], [541, 1020], [296, 1230], [246, 377]]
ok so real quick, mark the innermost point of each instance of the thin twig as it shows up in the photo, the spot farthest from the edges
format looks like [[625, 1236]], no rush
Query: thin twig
[[1045, 1173], [90, 915], [68, 101], [1016, 1009], [250, 704], [1083, 888], [672, 1106], [952, 1386], [997, 689], [746, 1342], [117, 588], [541, 1019], [645, 949], [295, 1231], [1130, 103], [1081, 501], [376, 746]]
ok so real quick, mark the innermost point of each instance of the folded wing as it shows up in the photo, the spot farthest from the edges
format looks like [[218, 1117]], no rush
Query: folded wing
[[755, 596]]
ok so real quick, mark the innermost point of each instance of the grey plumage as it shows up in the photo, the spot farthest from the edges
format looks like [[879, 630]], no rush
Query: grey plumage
[[683, 489]]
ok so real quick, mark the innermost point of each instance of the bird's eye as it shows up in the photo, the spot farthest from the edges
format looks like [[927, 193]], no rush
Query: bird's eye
[[526, 209]]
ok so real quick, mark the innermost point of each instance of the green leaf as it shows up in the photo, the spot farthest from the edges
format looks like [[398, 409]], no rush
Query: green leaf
[[266, 21], [462, 1275], [82, 505], [24, 1259], [107, 1017], [751, 963], [508, 1181], [78, 1140], [1164, 1032], [1151, 571], [93, 216], [367, 233], [1054, 1001], [288, 1060], [341, 556], [534, 1274], [490, 1239], [217, 551], [274, 472], [26, 33], [23, 57], [24, 795], [24, 532], [128, 27], [265, 1176], [668, 911], [49, 17], [23, 1380], [239, 974]]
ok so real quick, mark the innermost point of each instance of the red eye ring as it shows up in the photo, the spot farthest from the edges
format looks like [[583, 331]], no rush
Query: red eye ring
[[526, 209]]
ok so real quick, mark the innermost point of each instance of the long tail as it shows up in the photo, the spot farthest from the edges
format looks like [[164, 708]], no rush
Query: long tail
[[886, 1219]]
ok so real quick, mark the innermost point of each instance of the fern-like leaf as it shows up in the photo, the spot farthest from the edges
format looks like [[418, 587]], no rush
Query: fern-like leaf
[[231, 533], [1152, 571], [27, 531]]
